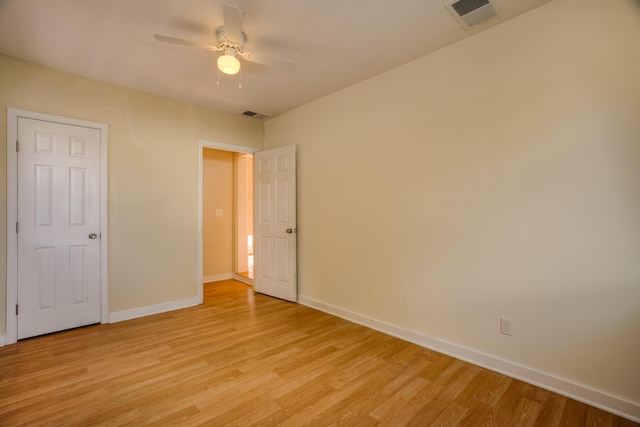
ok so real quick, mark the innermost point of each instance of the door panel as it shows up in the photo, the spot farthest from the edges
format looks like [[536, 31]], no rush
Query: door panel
[[44, 278], [275, 223], [58, 208]]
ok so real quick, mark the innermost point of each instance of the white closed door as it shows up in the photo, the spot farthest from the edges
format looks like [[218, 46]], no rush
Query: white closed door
[[58, 227], [274, 246]]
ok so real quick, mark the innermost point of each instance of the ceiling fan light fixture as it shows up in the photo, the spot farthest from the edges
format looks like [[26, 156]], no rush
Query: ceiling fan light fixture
[[228, 63]]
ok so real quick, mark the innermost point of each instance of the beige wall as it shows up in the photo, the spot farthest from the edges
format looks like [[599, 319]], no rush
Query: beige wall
[[497, 177], [217, 232], [153, 156]]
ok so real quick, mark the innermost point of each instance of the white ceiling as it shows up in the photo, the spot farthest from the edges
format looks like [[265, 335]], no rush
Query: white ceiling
[[335, 43]]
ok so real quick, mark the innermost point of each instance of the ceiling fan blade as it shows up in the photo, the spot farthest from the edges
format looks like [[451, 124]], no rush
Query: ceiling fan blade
[[233, 20], [270, 61], [174, 40]]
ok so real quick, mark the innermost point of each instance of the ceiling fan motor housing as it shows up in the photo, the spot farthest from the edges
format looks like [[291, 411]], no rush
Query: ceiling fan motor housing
[[223, 41]]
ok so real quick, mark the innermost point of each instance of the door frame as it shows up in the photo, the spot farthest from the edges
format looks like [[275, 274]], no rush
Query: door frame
[[202, 143], [13, 115]]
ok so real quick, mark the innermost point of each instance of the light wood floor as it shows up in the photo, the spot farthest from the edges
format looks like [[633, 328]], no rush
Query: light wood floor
[[246, 359]]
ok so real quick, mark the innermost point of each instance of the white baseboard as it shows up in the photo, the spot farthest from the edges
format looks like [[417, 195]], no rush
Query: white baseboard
[[552, 383], [149, 310], [243, 279], [3, 340], [217, 277]]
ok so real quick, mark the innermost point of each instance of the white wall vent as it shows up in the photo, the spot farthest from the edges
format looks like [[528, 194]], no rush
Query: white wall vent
[[469, 13]]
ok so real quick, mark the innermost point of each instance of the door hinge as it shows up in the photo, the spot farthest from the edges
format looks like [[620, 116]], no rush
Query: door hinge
[[17, 227], [16, 309], [17, 146]]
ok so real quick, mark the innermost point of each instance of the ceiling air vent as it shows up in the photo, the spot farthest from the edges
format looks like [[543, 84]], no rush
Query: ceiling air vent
[[469, 13], [255, 115]]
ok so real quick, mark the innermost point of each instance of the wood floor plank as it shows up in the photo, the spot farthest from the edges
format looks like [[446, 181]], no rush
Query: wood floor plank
[[398, 377], [483, 415], [401, 407], [452, 415], [432, 409], [246, 359], [551, 412], [326, 407], [486, 387]]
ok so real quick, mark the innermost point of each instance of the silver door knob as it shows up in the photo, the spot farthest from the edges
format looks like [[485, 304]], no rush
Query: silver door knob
[[93, 235]]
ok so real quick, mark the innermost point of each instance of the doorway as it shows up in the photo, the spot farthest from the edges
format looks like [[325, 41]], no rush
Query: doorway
[[240, 229]]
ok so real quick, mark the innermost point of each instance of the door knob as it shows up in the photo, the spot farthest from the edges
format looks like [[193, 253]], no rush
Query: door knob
[[291, 230], [93, 235]]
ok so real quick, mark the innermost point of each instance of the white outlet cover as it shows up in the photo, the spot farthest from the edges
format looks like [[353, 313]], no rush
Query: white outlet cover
[[506, 326]]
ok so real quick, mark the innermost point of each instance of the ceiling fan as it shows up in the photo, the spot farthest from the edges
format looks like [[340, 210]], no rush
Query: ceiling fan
[[230, 41]]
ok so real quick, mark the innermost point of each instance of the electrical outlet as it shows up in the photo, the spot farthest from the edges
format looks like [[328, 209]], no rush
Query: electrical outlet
[[219, 212], [506, 326]]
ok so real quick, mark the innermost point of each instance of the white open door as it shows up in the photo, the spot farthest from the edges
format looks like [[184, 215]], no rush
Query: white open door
[[274, 186]]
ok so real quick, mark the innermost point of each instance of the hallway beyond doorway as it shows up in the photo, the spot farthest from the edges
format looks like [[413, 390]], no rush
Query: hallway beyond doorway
[[248, 274]]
